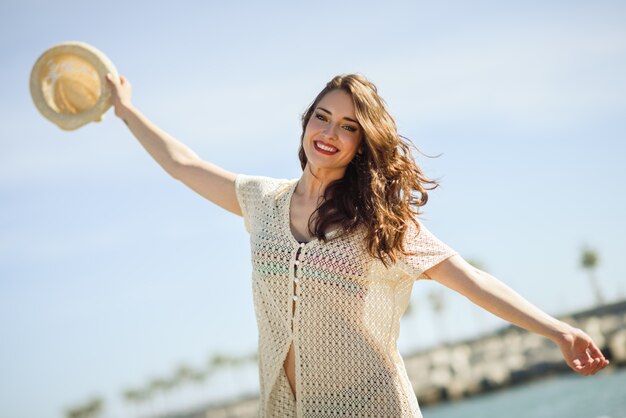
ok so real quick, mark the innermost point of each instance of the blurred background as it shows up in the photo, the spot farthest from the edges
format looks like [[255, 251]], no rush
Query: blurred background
[[125, 292]]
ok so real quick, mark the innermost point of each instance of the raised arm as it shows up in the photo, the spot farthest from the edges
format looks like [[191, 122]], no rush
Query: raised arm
[[179, 161], [580, 352]]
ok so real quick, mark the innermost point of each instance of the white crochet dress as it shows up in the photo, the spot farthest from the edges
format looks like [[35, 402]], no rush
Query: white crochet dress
[[347, 312]]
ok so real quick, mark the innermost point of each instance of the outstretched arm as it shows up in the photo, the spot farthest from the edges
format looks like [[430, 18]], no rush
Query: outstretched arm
[[179, 161], [580, 352]]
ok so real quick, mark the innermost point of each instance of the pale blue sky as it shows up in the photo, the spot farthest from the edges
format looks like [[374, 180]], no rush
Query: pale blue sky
[[112, 273]]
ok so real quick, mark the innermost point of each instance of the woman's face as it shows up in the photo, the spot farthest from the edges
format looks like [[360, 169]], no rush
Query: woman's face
[[332, 136]]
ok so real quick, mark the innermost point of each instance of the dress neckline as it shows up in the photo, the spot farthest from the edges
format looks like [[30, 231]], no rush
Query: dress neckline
[[286, 215]]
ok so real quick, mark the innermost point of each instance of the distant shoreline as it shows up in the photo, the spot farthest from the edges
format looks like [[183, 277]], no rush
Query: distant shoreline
[[490, 362]]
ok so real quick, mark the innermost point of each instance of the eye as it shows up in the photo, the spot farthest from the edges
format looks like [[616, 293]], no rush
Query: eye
[[322, 117]]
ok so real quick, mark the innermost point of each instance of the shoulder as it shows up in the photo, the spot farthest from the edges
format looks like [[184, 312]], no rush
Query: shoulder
[[425, 248], [261, 186], [417, 231]]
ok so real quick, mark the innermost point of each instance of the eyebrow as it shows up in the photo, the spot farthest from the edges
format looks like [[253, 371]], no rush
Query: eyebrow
[[330, 113]]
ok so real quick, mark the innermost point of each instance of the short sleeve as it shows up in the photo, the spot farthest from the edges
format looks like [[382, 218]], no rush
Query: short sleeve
[[247, 190], [254, 194], [429, 251]]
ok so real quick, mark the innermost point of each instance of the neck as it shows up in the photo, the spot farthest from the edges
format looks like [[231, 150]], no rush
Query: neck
[[313, 182]]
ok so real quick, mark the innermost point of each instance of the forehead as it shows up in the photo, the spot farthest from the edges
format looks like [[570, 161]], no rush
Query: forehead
[[339, 103]]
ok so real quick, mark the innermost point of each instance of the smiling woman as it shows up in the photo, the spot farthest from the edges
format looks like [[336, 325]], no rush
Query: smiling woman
[[332, 132], [335, 255], [371, 167]]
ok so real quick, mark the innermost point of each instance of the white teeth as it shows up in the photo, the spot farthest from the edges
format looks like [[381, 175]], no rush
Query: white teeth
[[326, 148]]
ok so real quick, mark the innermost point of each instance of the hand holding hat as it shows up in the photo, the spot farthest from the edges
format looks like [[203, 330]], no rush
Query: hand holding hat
[[121, 92], [68, 85]]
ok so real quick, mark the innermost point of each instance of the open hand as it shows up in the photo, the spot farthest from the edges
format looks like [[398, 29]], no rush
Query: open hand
[[121, 92], [580, 352]]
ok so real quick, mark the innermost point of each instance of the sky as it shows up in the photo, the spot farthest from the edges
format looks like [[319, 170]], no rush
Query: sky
[[112, 273]]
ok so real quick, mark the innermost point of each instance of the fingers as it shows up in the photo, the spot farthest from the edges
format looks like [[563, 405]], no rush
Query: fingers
[[595, 351], [592, 366], [582, 355], [598, 364], [588, 365], [582, 365], [583, 368], [575, 365], [599, 361], [113, 86], [112, 79], [587, 362]]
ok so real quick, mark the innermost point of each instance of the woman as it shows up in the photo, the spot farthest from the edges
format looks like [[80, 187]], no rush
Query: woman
[[335, 254]]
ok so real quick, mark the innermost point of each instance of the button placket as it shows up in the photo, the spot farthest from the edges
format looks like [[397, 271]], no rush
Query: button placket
[[296, 273], [296, 279]]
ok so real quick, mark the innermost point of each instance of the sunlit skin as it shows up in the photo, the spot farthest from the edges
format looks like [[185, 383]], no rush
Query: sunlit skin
[[579, 351], [334, 123]]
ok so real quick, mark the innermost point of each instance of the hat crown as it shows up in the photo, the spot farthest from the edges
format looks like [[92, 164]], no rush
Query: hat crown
[[68, 84]]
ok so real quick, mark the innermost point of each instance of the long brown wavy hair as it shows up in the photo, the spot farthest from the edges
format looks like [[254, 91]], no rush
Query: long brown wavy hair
[[380, 186]]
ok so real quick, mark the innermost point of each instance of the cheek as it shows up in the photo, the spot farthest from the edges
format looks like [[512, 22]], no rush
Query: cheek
[[312, 129], [354, 141], [314, 124]]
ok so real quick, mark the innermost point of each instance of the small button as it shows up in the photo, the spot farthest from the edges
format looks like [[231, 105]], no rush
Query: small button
[[295, 298], [296, 280], [302, 244], [296, 262]]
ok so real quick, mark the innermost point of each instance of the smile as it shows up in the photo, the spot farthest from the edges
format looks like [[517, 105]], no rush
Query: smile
[[325, 148]]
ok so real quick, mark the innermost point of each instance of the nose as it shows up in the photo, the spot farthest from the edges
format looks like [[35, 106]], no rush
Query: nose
[[329, 130]]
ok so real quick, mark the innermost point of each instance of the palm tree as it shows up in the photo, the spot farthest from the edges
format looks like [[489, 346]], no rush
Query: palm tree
[[197, 377], [589, 262], [91, 409], [223, 361], [158, 387], [184, 375], [135, 397], [216, 362]]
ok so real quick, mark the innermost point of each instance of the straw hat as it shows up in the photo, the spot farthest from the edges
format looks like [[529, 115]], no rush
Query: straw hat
[[68, 84]]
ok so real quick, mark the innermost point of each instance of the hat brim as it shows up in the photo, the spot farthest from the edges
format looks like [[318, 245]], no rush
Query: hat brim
[[94, 57]]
